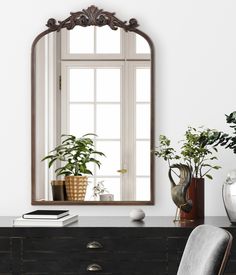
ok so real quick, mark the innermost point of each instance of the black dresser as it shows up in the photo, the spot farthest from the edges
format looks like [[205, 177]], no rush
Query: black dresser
[[101, 245]]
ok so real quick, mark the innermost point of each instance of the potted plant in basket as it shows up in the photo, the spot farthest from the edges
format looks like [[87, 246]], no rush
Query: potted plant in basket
[[195, 157], [73, 155]]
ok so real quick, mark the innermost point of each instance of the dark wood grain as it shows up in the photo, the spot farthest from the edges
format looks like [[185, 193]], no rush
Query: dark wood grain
[[153, 247]]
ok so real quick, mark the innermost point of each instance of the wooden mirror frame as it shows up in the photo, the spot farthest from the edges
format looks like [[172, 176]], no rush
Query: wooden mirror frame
[[92, 16]]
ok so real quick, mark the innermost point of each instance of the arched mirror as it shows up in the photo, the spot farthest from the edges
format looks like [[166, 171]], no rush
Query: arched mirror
[[93, 73]]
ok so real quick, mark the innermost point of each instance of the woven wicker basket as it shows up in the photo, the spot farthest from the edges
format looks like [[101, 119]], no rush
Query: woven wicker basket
[[76, 187]]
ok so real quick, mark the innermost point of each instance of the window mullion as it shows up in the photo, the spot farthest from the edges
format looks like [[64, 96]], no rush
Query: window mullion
[[95, 120]]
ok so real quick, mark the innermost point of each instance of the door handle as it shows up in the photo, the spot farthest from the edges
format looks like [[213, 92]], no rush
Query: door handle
[[122, 171]]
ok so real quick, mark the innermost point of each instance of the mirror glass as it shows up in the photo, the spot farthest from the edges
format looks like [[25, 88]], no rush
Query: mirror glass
[[95, 80]]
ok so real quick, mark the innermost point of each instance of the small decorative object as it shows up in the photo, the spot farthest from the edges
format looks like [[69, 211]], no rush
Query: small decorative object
[[137, 214], [99, 189], [229, 196], [179, 191], [73, 156], [197, 154], [58, 190], [106, 197]]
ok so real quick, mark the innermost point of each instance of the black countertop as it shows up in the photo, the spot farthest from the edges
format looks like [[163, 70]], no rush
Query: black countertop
[[121, 222]]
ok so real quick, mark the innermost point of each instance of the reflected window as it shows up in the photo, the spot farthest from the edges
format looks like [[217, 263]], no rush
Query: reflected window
[[91, 40], [142, 46], [104, 89], [81, 40]]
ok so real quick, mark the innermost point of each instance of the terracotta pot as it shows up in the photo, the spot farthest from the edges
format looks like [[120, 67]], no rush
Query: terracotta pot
[[196, 194], [76, 187], [58, 190]]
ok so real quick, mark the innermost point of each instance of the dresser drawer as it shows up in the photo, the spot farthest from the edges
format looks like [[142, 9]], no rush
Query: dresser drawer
[[128, 254], [69, 266], [5, 255], [153, 247]]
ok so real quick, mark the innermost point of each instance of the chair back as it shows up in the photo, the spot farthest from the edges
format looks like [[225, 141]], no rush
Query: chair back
[[206, 252]]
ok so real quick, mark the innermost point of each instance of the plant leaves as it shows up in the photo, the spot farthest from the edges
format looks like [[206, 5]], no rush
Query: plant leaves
[[209, 176]]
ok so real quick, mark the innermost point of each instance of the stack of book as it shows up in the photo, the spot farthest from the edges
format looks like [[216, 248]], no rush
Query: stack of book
[[45, 218]]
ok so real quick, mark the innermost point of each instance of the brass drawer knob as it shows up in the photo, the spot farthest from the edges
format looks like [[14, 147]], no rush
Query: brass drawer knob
[[94, 267], [94, 245]]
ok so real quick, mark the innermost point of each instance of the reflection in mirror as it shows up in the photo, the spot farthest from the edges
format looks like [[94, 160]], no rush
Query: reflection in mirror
[[95, 80]]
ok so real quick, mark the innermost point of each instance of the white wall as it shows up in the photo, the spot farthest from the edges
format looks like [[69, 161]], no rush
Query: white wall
[[195, 44]]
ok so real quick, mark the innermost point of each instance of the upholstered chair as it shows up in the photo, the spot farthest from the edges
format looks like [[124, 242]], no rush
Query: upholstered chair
[[206, 252]]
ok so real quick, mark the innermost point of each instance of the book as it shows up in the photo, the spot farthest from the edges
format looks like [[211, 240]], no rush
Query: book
[[46, 214], [45, 222]]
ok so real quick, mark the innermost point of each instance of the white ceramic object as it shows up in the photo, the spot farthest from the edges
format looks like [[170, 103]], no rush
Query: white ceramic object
[[137, 214], [106, 197]]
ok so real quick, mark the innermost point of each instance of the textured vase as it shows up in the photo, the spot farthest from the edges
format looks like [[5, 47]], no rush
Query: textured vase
[[196, 194], [229, 196], [76, 187]]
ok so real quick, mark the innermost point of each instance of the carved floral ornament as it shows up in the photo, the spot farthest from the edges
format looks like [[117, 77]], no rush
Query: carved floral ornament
[[92, 16]]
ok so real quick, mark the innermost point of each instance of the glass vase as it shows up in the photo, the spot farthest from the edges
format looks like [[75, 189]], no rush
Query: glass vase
[[229, 196]]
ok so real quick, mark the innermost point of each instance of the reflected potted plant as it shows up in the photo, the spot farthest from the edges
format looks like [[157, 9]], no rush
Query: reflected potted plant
[[73, 155], [99, 190], [196, 155]]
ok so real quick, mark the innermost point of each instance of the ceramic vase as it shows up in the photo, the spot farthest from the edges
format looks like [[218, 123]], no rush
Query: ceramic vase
[[58, 190], [196, 194], [229, 196]]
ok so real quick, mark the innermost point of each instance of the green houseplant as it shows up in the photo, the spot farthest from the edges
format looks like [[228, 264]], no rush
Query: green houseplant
[[228, 140], [73, 156], [197, 151]]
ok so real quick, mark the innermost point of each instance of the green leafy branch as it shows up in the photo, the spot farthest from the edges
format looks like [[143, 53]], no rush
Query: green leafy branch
[[196, 151], [227, 140]]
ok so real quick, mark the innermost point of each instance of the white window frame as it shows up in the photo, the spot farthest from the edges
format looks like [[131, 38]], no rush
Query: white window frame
[[65, 66], [66, 55], [128, 60], [128, 117], [129, 188], [130, 48], [47, 65]]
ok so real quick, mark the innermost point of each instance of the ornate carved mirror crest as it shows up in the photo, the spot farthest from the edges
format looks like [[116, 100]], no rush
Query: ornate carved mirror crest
[[93, 73]]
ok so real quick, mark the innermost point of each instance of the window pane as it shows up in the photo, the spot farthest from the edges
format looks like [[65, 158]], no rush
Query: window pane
[[108, 84], [81, 40], [143, 189], [108, 40], [142, 158], [81, 119], [108, 120], [89, 191], [110, 163], [81, 85], [143, 121], [112, 185], [142, 45], [143, 84]]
